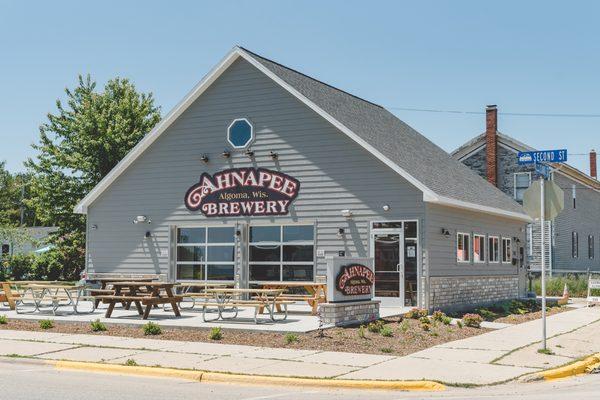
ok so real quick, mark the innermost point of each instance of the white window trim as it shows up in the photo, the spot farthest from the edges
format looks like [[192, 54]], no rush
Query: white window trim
[[509, 240], [251, 133], [592, 248], [515, 182], [497, 254], [483, 251], [468, 261]]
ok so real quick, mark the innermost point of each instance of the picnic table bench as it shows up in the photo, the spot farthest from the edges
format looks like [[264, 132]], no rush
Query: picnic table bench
[[53, 295], [195, 291], [316, 292], [227, 300], [148, 294]]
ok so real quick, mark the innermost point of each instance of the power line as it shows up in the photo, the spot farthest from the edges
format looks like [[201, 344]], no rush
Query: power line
[[516, 114]]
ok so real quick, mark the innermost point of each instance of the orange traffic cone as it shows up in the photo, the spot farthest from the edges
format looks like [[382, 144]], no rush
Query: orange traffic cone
[[565, 297]]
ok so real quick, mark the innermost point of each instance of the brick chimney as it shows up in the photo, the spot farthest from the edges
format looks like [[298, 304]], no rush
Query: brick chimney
[[593, 165], [491, 144]]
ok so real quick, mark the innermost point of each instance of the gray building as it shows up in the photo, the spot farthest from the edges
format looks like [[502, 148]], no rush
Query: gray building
[[575, 233], [261, 173]]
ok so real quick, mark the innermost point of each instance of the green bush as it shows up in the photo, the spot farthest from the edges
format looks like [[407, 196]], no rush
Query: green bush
[[472, 320], [152, 328], [291, 338], [46, 324], [3, 320], [375, 326], [216, 333], [361, 332], [131, 362], [404, 326], [577, 285], [97, 326], [416, 313], [486, 314], [386, 350], [440, 316], [46, 266], [425, 320], [386, 331], [426, 327]]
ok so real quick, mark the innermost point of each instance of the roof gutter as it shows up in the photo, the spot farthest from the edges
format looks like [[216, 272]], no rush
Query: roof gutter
[[445, 201]]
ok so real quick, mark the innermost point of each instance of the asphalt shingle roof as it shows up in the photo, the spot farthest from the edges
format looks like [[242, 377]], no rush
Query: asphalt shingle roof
[[411, 151]]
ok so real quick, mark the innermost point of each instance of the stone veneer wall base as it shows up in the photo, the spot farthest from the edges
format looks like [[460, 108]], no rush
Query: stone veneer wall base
[[349, 313]]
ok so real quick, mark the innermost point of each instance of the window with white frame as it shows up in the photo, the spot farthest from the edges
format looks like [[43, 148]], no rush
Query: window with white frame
[[506, 250], [479, 248], [574, 245], [493, 248], [281, 253], [206, 253], [522, 181], [591, 249], [463, 247]]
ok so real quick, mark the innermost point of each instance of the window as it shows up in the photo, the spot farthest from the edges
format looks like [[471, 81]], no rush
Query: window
[[5, 250], [282, 253], [206, 253], [591, 246], [463, 247], [522, 181], [574, 190], [479, 248], [506, 250], [240, 133], [574, 245], [493, 245]]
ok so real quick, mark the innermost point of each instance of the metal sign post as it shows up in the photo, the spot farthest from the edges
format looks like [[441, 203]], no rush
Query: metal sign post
[[556, 204]]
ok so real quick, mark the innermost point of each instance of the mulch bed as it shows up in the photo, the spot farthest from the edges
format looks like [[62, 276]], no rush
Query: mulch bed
[[520, 318], [408, 336]]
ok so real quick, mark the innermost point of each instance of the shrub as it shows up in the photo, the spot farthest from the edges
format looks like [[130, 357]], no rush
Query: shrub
[[438, 315], [459, 324], [291, 338], [3, 320], [416, 313], [386, 331], [386, 350], [97, 326], [361, 332], [216, 333], [404, 326], [487, 314], [46, 324], [426, 327], [546, 351], [375, 326], [152, 328], [472, 320], [131, 362], [425, 320], [555, 285]]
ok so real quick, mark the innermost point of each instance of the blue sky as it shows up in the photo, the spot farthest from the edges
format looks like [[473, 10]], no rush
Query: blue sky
[[527, 57]]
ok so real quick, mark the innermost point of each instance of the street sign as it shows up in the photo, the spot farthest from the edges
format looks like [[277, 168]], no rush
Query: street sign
[[542, 156], [554, 200]]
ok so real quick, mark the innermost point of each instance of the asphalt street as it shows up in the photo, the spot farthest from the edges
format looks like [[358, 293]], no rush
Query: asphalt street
[[22, 380]]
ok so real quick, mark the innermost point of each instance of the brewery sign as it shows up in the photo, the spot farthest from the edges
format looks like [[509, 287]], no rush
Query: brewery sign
[[243, 191], [355, 279]]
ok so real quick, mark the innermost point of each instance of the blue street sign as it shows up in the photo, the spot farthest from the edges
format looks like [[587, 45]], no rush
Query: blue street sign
[[542, 156]]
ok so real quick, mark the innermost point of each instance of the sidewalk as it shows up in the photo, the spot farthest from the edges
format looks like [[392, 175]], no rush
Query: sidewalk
[[492, 357]]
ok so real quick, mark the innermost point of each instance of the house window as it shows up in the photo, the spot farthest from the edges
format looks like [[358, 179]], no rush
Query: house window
[[522, 181], [591, 246], [282, 253], [506, 250], [240, 133], [479, 248], [574, 190], [493, 247], [206, 253], [574, 245], [463, 247]]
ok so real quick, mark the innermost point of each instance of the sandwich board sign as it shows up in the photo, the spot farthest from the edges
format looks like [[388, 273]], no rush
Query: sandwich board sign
[[593, 284]]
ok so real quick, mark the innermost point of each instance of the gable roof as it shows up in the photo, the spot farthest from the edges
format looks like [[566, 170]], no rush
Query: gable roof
[[510, 143], [442, 179]]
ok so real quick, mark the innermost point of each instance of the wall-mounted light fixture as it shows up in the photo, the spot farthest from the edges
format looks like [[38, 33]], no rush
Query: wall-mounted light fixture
[[94, 227], [386, 207], [274, 155], [148, 234], [445, 233], [346, 213], [141, 219], [249, 153], [204, 158], [340, 232], [226, 154]]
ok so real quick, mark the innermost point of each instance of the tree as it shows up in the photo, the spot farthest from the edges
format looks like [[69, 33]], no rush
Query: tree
[[78, 146], [13, 189]]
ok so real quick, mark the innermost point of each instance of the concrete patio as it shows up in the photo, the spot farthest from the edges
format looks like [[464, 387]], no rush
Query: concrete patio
[[299, 318]]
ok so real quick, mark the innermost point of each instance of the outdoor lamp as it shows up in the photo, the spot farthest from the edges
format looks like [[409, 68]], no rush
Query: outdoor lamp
[[340, 232], [445, 232], [346, 213], [249, 153], [204, 158], [386, 207], [274, 155], [226, 154], [141, 219]]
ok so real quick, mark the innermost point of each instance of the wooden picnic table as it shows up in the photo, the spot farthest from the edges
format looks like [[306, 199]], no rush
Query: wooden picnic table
[[105, 282], [148, 294], [227, 299], [317, 292]]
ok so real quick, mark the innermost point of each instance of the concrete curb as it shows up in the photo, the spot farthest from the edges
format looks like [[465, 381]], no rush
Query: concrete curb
[[216, 377], [577, 368]]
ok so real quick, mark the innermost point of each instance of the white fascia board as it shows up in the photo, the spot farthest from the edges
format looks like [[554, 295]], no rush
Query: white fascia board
[[81, 207], [445, 201], [427, 193]]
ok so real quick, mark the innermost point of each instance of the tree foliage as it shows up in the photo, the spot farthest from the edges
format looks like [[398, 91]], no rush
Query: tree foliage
[[13, 188], [91, 132]]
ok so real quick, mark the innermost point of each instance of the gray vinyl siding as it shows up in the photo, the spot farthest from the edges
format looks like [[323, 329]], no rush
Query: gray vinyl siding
[[335, 174], [585, 220], [442, 250]]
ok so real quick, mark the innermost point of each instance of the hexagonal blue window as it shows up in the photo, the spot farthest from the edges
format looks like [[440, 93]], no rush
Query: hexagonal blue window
[[240, 133]]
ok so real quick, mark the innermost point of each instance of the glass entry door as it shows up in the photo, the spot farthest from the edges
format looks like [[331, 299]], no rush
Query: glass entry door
[[387, 252]]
